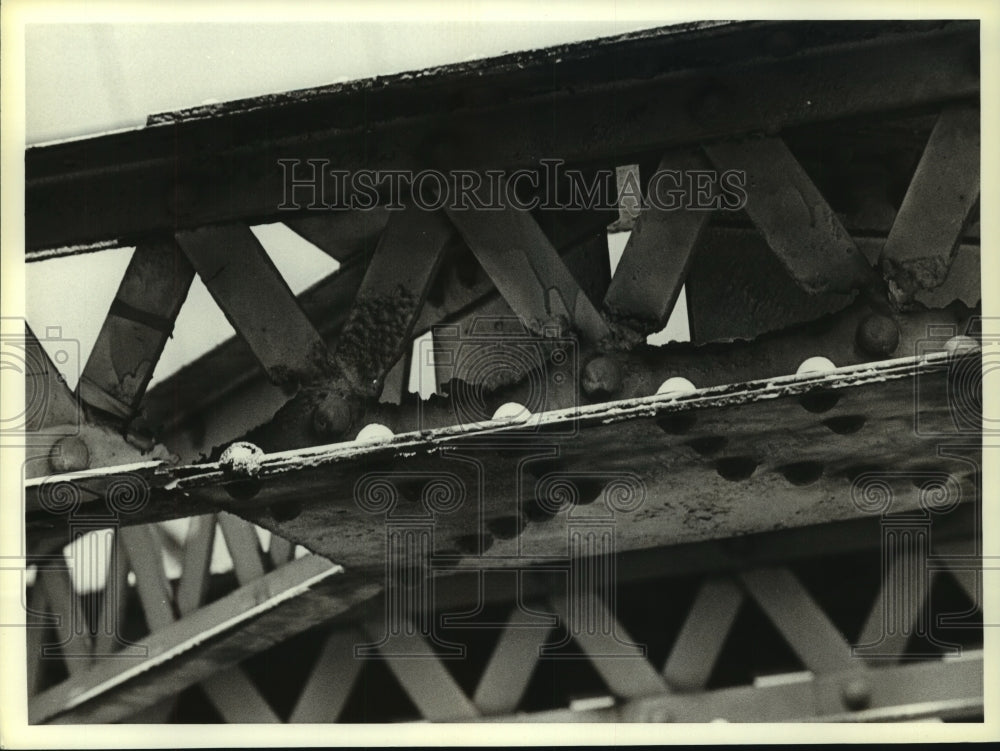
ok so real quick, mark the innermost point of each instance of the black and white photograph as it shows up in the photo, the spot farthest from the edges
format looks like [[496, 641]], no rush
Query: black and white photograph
[[498, 373]]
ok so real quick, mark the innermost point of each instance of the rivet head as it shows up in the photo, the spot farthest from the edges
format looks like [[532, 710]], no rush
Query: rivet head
[[69, 454], [961, 345], [374, 433], [241, 460], [512, 412], [602, 378], [878, 335], [332, 417], [856, 693], [816, 365], [675, 386]]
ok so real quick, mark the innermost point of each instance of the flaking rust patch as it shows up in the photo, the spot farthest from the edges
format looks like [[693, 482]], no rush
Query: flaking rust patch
[[908, 277], [320, 364], [371, 338], [626, 331], [130, 383], [284, 378]]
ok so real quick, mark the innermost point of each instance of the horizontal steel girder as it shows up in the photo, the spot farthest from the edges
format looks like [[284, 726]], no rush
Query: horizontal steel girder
[[602, 103], [659, 470]]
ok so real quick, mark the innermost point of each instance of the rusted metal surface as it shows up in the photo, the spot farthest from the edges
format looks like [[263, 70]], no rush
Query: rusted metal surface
[[741, 291], [936, 208], [742, 452], [375, 333], [645, 368], [231, 370], [794, 218], [714, 558], [230, 374], [485, 346], [76, 446], [192, 409], [117, 188], [396, 282], [630, 458], [963, 283]]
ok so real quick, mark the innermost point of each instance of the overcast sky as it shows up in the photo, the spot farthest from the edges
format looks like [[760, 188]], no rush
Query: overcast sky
[[82, 79], [90, 78]]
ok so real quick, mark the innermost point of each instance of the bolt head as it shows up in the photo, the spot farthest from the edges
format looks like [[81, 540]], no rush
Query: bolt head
[[69, 454], [602, 378], [856, 693], [332, 417], [878, 335]]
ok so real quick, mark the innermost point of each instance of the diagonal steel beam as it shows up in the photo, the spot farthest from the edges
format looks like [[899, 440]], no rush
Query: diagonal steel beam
[[340, 234], [257, 301], [395, 285], [658, 254], [703, 634], [424, 677], [527, 269], [490, 319], [806, 628], [137, 327], [334, 674], [506, 676], [285, 602], [244, 547], [795, 219], [375, 334], [938, 203], [626, 671]]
